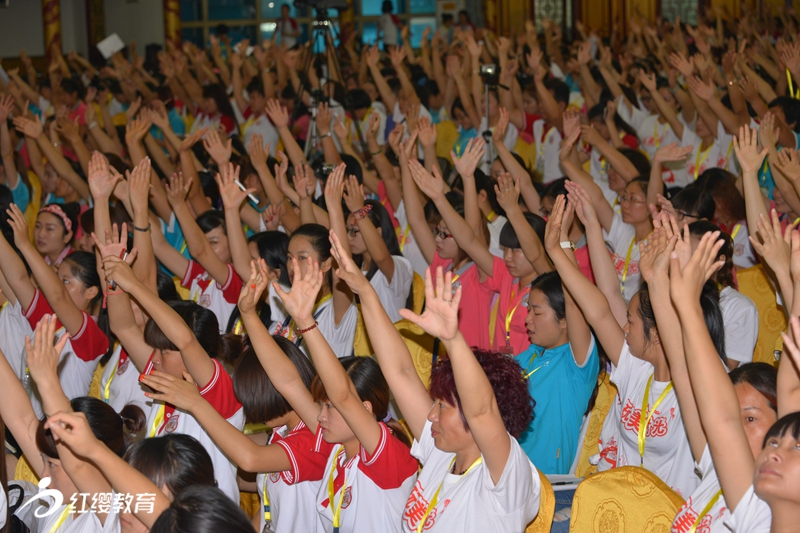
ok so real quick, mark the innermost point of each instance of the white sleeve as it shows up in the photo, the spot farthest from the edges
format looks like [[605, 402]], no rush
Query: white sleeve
[[752, 515], [741, 329], [423, 448], [403, 275], [519, 485], [510, 140], [690, 138], [620, 233], [634, 116], [3, 507]]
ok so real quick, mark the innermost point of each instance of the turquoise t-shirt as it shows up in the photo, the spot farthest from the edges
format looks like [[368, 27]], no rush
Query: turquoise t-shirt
[[561, 390], [463, 138], [21, 194], [765, 179], [174, 236]]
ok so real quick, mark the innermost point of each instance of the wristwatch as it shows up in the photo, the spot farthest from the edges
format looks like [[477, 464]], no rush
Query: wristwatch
[[568, 244]]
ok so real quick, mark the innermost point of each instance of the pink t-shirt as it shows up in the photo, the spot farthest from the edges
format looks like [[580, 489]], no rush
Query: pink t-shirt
[[476, 301], [512, 303], [584, 263]]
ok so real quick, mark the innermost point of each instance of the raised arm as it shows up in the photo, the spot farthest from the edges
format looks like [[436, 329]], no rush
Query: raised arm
[[280, 118], [387, 96], [413, 202], [665, 154], [232, 199], [373, 240], [750, 159], [478, 402], [195, 358], [649, 82], [433, 186], [18, 415], [714, 394], [605, 213], [508, 191], [11, 177]]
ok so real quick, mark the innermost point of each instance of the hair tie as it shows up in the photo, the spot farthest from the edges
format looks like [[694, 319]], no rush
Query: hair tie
[[54, 209], [387, 418]]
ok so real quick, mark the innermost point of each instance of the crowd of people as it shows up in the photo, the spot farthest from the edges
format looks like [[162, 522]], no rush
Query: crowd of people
[[196, 247]]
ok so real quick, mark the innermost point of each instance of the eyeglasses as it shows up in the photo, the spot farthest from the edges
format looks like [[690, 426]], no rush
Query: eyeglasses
[[544, 212], [630, 200], [683, 215], [442, 234], [352, 232]]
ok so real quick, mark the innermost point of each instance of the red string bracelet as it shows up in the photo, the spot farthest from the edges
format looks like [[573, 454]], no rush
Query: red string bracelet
[[362, 213]]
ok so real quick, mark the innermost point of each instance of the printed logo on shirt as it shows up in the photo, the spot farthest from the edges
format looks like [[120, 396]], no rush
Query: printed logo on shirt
[[123, 367], [204, 301], [415, 509], [684, 521], [274, 477], [657, 427], [619, 264], [172, 424], [347, 498], [738, 249], [608, 453]]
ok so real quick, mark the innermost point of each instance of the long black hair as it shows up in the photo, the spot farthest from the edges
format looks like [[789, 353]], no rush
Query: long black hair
[[200, 509], [174, 461], [597, 113]]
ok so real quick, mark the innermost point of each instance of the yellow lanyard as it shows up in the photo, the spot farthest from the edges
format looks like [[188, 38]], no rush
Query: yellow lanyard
[[736, 229], [706, 510], [510, 312], [238, 327], [64, 514], [627, 264], [158, 421], [435, 499], [267, 513], [491, 216], [403, 234], [656, 141], [789, 83], [337, 510], [545, 137], [525, 373], [293, 325], [107, 389], [699, 161], [645, 420], [795, 222], [250, 121]]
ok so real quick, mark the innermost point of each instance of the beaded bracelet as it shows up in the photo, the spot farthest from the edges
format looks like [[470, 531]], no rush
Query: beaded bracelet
[[359, 214], [301, 331]]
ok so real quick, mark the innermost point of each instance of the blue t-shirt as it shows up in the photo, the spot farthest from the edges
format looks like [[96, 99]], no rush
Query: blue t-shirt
[[21, 194], [463, 138], [174, 236], [561, 390]]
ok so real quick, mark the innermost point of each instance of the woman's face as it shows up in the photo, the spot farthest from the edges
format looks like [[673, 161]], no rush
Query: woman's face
[[63, 188], [757, 415], [445, 243], [210, 106], [371, 90], [447, 427], [544, 327], [634, 330], [497, 169], [219, 243], [81, 295], [332, 424], [462, 119], [169, 361], [530, 104], [50, 235], [780, 202], [634, 204], [516, 262], [777, 475], [85, 243], [615, 182], [301, 249], [59, 479], [49, 180], [251, 181], [701, 129], [354, 236]]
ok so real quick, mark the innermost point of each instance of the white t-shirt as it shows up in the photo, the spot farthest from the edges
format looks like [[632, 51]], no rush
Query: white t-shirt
[[14, 327], [282, 26], [203, 290], [667, 452], [408, 245], [495, 227], [60, 521], [292, 493], [125, 387], [598, 168], [3, 507], [399, 118], [340, 338], [625, 255], [472, 502], [219, 393], [375, 488], [364, 125], [715, 156], [752, 515], [743, 253], [510, 140], [687, 515], [548, 146], [387, 26], [253, 124], [740, 318], [393, 296]]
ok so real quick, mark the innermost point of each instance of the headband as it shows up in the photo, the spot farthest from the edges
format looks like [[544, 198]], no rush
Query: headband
[[54, 209]]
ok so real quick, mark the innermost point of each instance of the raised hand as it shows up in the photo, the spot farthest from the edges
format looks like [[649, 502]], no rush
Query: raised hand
[[334, 188], [252, 290], [232, 195], [219, 152], [579, 198], [255, 149], [432, 185], [686, 284], [42, 354], [568, 144], [73, 430], [681, 64], [277, 114], [500, 129], [648, 80], [302, 181], [16, 219], [440, 318], [299, 302], [507, 192], [6, 105], [139, 185], [776, 248], [672, 152], [746, 148], [789, 164], [272, 217], [118, 271], [572, 122], [29, 128], [178, 189], [768, 131], [182, 393], [192, 138], [427, 132], [324, 118], [340, 129], [116, 243], [705, 91], [348, 271], [655, 254], [354, 194], [101, 180], [471, 158], [553, 229]]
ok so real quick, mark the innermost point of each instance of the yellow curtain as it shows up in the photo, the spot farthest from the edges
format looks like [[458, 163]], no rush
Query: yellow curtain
[[51, 11], [172, 21], [506, 17]]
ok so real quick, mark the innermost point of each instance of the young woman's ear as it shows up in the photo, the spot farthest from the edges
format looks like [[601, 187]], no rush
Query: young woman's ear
[[654, 338], [326, 265], [368, 405], [67, 238], [91, 293]]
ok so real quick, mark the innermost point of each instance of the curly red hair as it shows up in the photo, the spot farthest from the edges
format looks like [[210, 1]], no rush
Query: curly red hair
[[505, 376]]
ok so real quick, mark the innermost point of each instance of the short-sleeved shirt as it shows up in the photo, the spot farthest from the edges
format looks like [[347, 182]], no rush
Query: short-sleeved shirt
[[394, 295], [561, 390], [80, 355], [21, 194], [219, 393], [667, 452], [340, 337], [389, 24], [473, 501], [512, 302], [548, 145], [201, 120], [495, 227], [375, 487], [120, 385], [752, 515], [203, 290], [740, 316], [292, 493], [708, 490], [743, 253], [408, 244], [476, 300], [715, 156], [284, 25], [260, 124], [621, 241], [14, 327]]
